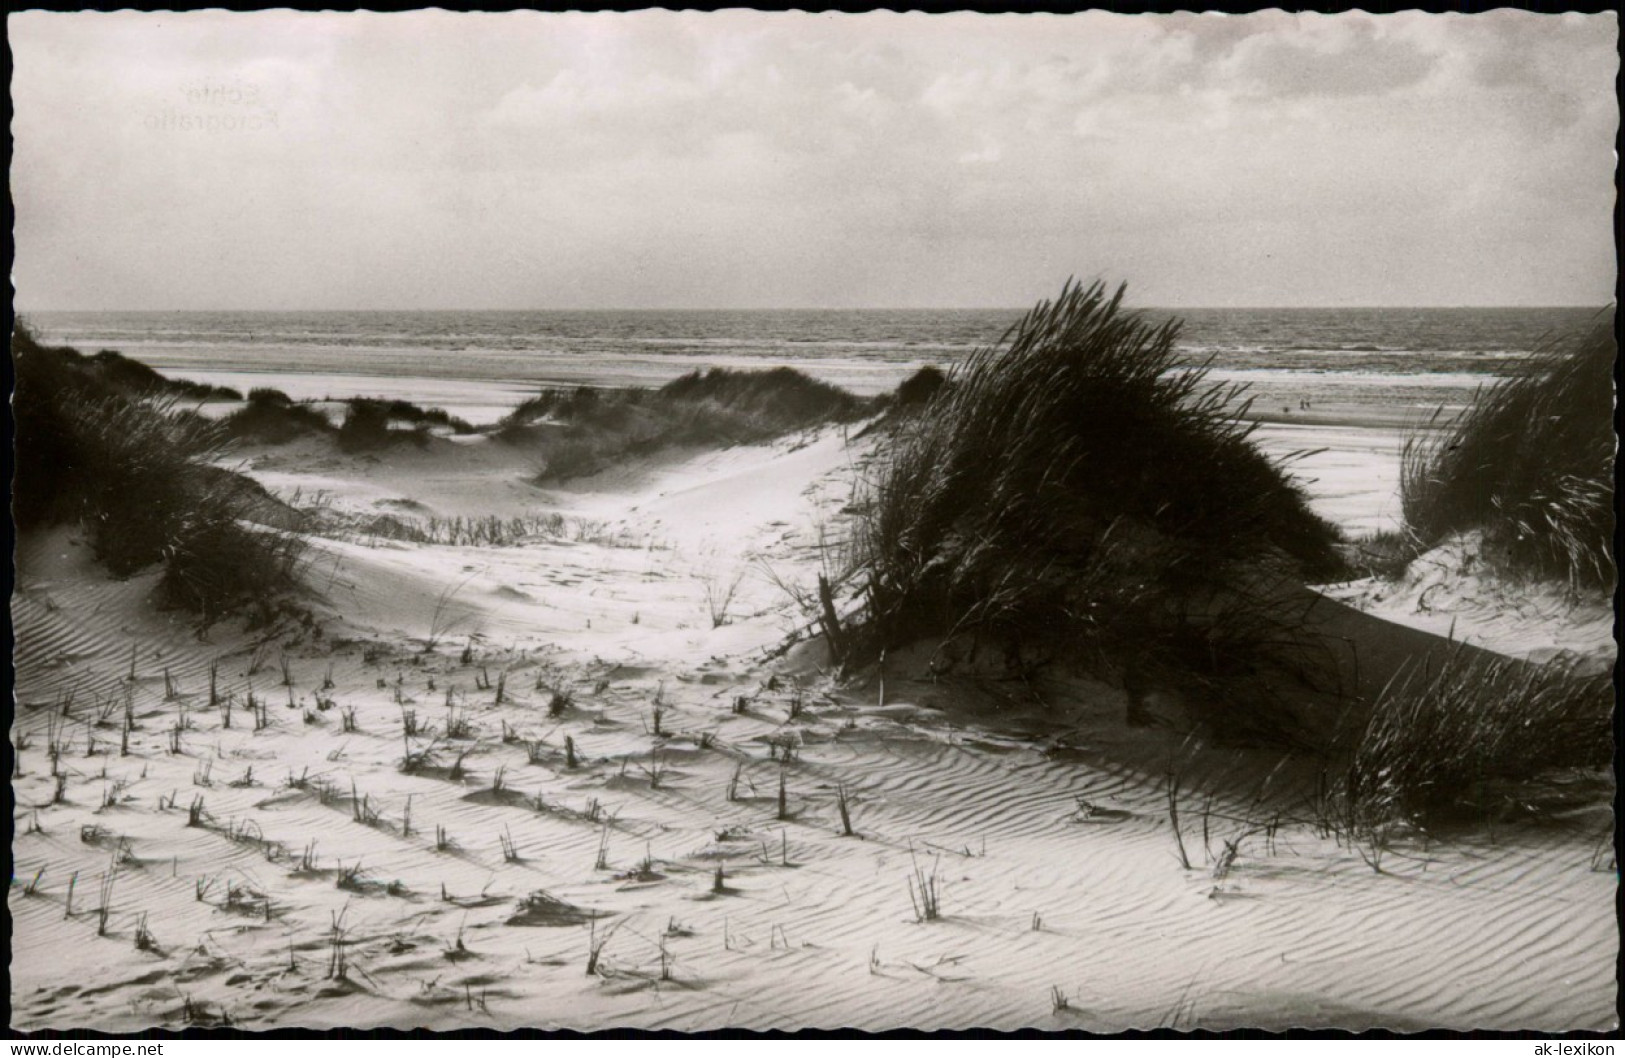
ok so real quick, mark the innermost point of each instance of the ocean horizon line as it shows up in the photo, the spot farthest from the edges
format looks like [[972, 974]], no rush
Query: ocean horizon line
[[25, 312]]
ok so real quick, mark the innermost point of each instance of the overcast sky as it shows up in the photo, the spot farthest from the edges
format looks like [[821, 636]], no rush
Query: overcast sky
[[430, 160]]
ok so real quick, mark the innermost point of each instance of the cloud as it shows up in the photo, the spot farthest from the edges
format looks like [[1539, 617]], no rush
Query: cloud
[[1325, 56], [738, 158]]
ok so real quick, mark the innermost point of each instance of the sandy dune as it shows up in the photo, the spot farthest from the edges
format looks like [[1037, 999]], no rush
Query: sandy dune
[[1044, 831], [1447, 592]]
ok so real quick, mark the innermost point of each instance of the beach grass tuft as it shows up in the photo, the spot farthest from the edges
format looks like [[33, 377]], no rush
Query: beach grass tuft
[[920, 387], [1471, 732], [1078, 489], [458, 725], [104, 911], [782, 812], [1530, 463], [925, 892], [559, 702], [338, 960], [137, 473], [596, 944], [144, 940], [372, 423], [270, 416]]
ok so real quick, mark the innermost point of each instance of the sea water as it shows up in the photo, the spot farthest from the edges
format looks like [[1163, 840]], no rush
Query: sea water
[[479, 363]]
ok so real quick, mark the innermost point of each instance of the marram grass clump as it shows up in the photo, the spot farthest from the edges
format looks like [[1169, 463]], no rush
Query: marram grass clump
[[1076, 491], [1464, 735], [269, 416], [136, 473], [1531, 464], [581, 431]]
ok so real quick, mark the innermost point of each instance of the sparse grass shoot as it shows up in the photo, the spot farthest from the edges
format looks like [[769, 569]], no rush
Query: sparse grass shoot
[[458, 725], [1173, 818], [843, 804], [925, 892]]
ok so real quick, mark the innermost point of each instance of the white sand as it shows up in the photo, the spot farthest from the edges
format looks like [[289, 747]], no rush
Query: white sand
[[976, 787], [1351, 472], [1448, 592]]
